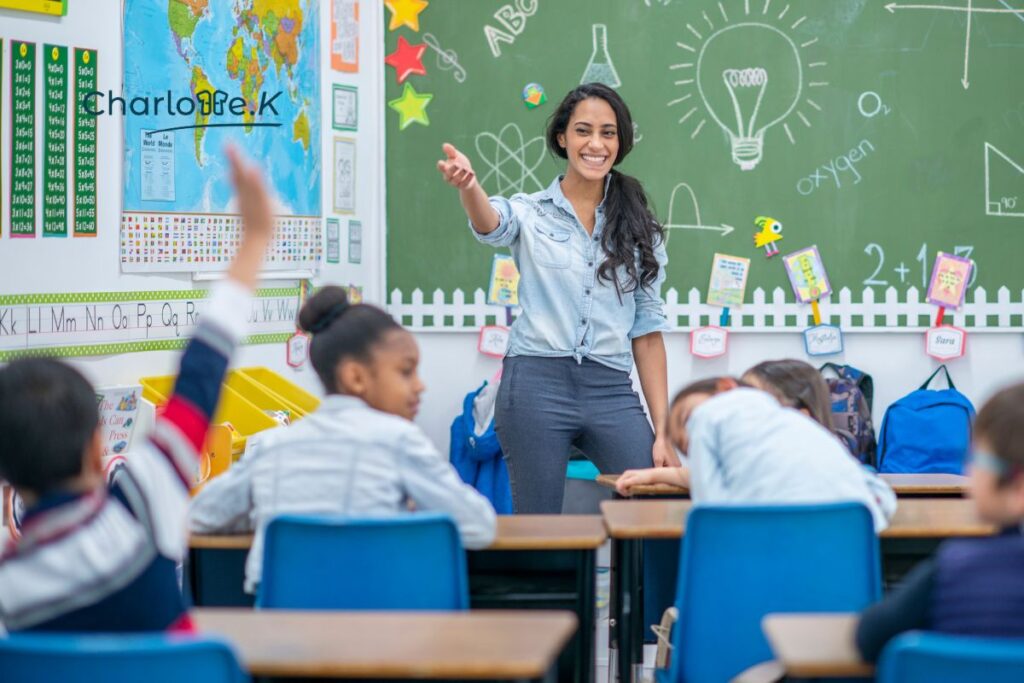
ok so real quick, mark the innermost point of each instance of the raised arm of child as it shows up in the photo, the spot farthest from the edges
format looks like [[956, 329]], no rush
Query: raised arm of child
[[158, 477]]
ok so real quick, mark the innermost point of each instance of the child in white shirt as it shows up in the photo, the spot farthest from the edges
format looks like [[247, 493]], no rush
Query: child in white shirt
[[358, 454], [743, 446]]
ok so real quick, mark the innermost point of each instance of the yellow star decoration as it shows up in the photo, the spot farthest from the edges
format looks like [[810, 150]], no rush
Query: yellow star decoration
[[411, 107], [405, 13]]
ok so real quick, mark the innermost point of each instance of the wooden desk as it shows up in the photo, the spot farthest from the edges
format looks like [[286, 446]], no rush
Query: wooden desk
[[504, 645], [927, 484], [535, 562], [514, 532], [917, 527], [902, 484], [816, 645], [914, 518]]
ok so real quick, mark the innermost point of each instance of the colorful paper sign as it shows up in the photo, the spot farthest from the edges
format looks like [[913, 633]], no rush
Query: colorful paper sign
[[504, 286], [494, 340], [355, 241], [119, 410], [23, 139], [950, 276], [85, 145], [807, 274], [728, 283], [333, 240], [55, 145], [345, 109], [297, 350], [344, 175], [945, 342], [709, 342], [823, 340], [345, 35]]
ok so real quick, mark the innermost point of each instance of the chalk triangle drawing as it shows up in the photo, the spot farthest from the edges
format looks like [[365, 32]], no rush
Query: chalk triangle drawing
[[1004, 184]]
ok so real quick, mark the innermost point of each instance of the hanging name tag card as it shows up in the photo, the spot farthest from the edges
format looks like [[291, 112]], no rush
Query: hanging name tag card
[[493, 341], [823, 340], [945, 342], [297, 350], [709, 342]]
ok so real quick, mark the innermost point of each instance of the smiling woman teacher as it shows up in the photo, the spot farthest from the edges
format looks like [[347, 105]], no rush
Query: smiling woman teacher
[[592, 260]]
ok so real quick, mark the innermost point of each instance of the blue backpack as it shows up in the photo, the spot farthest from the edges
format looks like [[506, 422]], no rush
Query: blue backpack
[[926, 431]]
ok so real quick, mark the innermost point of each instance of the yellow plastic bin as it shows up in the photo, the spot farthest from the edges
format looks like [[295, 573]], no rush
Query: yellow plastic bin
[[289, 392], [262, 397], [246, 418]]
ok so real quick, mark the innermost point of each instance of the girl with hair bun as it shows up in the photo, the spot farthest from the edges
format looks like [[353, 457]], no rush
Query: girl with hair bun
[[358, 454]]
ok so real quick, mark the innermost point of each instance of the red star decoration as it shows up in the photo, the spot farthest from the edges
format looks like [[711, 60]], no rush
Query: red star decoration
[[407, 59]]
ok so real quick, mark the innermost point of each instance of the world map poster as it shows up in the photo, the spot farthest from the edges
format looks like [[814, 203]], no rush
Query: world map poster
[[200, 75]]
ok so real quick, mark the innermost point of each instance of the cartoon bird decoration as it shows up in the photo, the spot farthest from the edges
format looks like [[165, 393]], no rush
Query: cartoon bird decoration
[[770, 233]]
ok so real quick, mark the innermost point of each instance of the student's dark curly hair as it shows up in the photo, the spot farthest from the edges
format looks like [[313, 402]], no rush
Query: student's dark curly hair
[[632, 232]]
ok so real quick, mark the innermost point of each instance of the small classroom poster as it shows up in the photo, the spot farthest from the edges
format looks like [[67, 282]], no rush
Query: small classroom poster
[[728, 280]]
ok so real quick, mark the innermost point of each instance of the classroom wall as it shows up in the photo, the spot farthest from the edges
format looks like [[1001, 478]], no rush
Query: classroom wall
[[451, 365], [81, 264]]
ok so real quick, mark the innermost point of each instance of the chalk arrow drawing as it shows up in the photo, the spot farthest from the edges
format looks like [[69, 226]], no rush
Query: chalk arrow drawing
[[971, 10], [722, 228]]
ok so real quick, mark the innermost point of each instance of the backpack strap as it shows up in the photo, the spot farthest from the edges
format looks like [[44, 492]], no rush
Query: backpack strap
[[942, 368]]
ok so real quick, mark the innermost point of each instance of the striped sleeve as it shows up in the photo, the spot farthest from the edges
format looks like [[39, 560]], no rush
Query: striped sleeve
[[181, 429]]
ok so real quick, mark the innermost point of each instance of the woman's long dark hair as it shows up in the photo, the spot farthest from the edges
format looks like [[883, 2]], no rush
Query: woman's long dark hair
[[631, 228]]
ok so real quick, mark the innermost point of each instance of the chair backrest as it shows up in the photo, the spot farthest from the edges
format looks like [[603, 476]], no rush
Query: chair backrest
[[408, 562], [31, 658], [739, 563], [917, 657]]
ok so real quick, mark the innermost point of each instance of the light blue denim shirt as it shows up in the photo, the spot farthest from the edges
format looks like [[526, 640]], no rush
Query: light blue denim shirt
[[567, 310]]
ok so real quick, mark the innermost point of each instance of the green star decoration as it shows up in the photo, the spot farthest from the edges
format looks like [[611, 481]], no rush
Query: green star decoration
[[411, 107]]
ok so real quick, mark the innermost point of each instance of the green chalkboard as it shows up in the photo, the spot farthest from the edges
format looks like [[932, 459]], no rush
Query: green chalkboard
[[884, 132]]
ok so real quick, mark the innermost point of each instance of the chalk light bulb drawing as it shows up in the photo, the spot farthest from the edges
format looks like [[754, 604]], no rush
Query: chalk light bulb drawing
[[743, 97]]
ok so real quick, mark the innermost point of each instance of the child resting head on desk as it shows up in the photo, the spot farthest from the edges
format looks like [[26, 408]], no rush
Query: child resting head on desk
[[799, 385], [970, 586], [743, 446], [358, 454]]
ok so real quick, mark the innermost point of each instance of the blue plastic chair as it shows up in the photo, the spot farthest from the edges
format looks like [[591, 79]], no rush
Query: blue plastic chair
[[739, 563], [410, 562], [918, 657], [34, 658]]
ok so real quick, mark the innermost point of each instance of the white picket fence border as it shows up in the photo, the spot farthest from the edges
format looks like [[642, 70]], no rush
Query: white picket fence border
[[453, 314]]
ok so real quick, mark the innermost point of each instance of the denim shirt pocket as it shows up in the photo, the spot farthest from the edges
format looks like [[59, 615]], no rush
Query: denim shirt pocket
[[552, 247]]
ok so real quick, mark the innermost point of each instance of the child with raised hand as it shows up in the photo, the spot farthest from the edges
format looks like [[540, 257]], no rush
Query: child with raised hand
[[971, 587], [358, 454], [90, 559], [743, 446]]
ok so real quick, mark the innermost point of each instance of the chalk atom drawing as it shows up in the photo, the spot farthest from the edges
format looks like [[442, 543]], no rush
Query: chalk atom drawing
[[1004, 184], [509, 160], [740, 89]]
